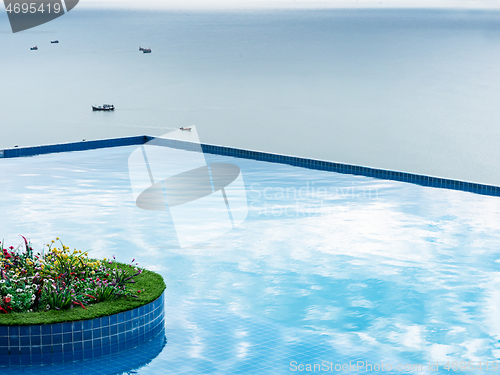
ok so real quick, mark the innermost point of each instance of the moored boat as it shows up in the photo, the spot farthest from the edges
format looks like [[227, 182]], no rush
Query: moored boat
[[146, 50], [104, 107], [35, 48], [189, 129], [54, 41]]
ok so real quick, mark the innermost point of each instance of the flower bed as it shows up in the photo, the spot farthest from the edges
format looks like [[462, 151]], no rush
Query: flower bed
[[59, 285], [58, 305]]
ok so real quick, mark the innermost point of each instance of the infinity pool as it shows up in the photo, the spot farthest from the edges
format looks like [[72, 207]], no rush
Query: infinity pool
[[326, 269]]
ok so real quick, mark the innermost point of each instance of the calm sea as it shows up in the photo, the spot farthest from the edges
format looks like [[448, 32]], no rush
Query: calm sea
[[411, 90]]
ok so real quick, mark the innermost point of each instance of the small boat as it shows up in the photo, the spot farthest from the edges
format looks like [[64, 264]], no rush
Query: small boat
[[141, 49], [189, 129], [146, 50], [35, 48], [104, 107], [54, 41]]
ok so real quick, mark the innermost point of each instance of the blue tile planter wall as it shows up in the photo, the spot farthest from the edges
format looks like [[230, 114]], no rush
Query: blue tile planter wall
[[63, 342], [383, 174]]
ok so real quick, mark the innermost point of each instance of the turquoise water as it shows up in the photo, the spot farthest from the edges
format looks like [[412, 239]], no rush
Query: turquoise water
[[327, 267], [409, 90]]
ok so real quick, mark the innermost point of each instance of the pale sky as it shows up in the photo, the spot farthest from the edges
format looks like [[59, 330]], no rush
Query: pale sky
[[289, 4]]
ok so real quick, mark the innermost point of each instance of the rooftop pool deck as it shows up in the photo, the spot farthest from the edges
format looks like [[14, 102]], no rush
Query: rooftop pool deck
[[327, 269]]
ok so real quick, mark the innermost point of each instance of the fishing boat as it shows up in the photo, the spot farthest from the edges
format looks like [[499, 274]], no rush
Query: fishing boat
[[54, 41], [146, 50], [35, 48], [104, 107], [141, 49], [188, 129]]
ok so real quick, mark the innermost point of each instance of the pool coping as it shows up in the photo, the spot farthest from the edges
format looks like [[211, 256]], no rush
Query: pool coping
[[316, 164]]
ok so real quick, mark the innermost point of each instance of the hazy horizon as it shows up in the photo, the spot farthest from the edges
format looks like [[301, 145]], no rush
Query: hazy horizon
[[291, 4]]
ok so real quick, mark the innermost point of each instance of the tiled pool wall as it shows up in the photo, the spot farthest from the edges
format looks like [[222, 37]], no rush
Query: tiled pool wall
[[383, 174], [63, 342]]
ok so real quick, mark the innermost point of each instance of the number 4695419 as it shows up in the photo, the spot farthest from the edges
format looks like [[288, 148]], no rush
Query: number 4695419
[[33, 8]]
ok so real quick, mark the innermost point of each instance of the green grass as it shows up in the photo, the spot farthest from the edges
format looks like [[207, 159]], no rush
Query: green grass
[[150, 283]]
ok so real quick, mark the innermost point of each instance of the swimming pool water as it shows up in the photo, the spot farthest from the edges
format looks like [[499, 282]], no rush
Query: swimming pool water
[[327, 267]]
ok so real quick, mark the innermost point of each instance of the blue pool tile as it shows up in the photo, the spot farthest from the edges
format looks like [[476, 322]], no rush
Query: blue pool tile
[[46, 329], [57, 339], [128, 315], [35, 330], [96, 333], [105, 321], [77, 326], [36, 340], [105, 331], [97, 351], [96, 323], [78, 346], [78, 355], [87, 335], [14, 341], [46, 358], [77, 336], [121, 327], [87, 345], [15, 358], [67, 337], [87, 325], [57, 357], [56, 328], [36, 349], [67, 327]]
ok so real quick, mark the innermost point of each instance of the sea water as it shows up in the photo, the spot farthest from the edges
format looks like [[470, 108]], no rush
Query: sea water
[[409, 90]]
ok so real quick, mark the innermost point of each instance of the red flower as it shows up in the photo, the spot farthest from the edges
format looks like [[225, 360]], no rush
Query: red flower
[[7, 299]]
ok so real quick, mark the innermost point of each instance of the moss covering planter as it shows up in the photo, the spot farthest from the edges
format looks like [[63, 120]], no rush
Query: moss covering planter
[[101, 329]]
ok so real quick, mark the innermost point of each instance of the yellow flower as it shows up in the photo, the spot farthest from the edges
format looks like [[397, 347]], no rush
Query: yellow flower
[[53, 241], [57, 238]]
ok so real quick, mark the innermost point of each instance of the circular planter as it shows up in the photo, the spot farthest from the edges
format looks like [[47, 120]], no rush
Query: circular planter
[[84, 339]]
